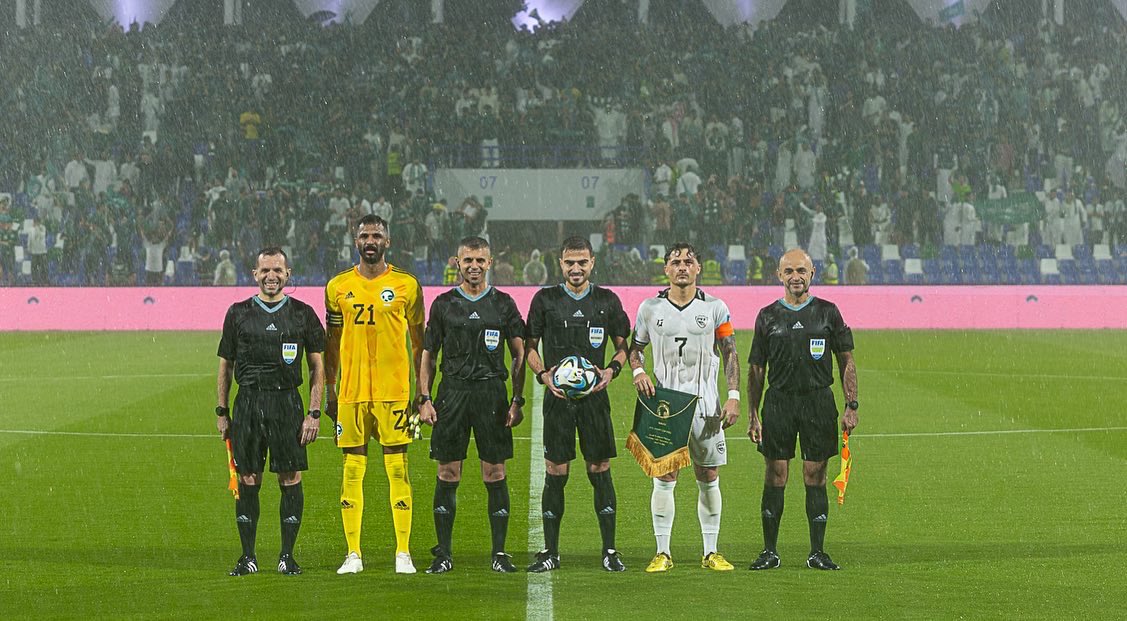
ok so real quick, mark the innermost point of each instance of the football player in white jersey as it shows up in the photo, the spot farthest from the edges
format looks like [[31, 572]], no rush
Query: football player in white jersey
[[691, 335]]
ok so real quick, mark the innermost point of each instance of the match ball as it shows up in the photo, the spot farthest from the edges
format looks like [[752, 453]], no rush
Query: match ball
[[575, 376]]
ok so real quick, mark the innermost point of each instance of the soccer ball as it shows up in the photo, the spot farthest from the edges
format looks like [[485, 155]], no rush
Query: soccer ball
[[575, 376]]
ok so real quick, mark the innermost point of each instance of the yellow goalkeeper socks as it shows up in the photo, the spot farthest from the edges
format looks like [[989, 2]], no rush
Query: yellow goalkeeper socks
[[352, 499], [400, 493]]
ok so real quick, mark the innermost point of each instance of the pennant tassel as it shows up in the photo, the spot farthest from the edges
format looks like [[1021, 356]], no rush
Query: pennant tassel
[[657, 466]]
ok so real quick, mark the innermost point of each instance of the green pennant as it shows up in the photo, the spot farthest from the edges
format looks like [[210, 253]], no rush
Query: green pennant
[[659, 440]]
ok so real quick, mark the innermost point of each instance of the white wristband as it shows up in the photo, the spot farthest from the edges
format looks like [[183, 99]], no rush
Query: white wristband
[[734, 394], [639, 371]]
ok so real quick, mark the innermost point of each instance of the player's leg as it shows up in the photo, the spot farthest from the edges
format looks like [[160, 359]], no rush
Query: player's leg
[[393, 433], [818, 442], [448, 442], [497, 491], [559, 451], [288, 459], [495, 446], [596, 442], [709, 509], [780, 432], [708, 449], [248, 447], [445, 507], [354, 427], [663, 508]]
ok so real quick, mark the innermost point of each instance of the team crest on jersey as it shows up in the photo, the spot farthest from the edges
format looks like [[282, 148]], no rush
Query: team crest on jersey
[[817, 348], [702, 321], [289, 352], [387, 295], [595, 336], [492, 339]]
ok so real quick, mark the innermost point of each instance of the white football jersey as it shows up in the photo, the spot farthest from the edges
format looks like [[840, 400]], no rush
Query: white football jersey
[[683, 342]]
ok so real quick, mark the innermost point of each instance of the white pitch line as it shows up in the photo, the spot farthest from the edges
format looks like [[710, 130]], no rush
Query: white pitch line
[[538, 602], [1052, 376], [106, 377], [537, 448]]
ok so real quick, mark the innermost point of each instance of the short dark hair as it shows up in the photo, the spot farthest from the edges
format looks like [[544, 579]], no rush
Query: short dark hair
[[678, 246], [372, 219], [272, 251], [473, 242], [576, 242]]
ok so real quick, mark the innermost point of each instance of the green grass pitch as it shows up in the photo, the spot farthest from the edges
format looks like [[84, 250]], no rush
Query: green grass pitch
[[988, 483]]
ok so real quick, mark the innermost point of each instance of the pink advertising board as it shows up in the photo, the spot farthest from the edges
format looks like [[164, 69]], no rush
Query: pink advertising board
[[864, 308]]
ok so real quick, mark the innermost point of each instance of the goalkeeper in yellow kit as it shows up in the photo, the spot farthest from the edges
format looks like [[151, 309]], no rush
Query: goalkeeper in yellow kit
[[371, 310]]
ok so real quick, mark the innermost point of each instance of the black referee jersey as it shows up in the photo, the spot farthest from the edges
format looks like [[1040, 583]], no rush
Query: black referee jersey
[[795, 344], [472, 332], [577, 326], [267, 342]]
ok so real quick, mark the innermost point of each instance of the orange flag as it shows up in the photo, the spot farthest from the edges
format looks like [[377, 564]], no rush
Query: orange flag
[[842, 479], [233, 481]]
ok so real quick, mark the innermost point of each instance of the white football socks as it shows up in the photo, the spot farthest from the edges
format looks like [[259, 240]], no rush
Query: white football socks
[[709, 504], [663, 508]]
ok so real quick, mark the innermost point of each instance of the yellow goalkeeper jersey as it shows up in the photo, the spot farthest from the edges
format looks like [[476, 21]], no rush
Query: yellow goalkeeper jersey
[[374, 316]]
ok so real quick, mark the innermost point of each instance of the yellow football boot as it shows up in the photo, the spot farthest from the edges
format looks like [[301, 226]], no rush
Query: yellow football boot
[[661, 563], [715, 562]]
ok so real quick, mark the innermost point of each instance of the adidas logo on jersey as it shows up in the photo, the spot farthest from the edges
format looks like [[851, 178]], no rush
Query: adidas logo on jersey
[[578, 313], [797, 326], [271, 328], [401, 506], [474, 315], [349, 296]]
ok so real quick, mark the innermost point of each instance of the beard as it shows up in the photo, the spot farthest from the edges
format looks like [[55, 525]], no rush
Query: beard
[[374, 258]]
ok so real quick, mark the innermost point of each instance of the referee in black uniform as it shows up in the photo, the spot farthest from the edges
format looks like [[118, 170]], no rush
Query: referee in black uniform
[[264, 339], [577, 318], [470, 325], [794, 338]]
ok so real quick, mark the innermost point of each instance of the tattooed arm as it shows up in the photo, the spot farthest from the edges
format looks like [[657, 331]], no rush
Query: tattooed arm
[[731, 361], [636, 357]]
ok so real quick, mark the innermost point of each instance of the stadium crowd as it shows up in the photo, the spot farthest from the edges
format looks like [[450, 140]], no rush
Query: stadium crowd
[[169, 155]]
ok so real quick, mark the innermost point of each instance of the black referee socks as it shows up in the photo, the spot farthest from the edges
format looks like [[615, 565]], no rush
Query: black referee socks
[[772, 508], [246, 516], [445, 507], [290, 510], [606, 505], [817, 511], [552, 509], [498, 492]]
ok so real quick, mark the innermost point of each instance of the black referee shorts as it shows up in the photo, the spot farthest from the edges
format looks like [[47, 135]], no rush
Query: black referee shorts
[[589, 417], [268, 421], [809, 416], [478, 405]]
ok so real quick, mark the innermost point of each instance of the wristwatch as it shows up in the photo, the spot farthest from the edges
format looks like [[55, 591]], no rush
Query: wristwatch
[[852, 405], [222, 411], [518, 400], [315, 414], [421, 399]]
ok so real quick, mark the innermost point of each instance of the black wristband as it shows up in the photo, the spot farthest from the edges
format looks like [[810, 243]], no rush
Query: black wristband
[[221, 410], [518, 400], [315, 414], [540, 377], [615, 366]]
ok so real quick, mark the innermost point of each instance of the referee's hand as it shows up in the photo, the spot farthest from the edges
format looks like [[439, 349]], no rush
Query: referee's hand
[[427, 413], [223, 424], [309, 428]]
